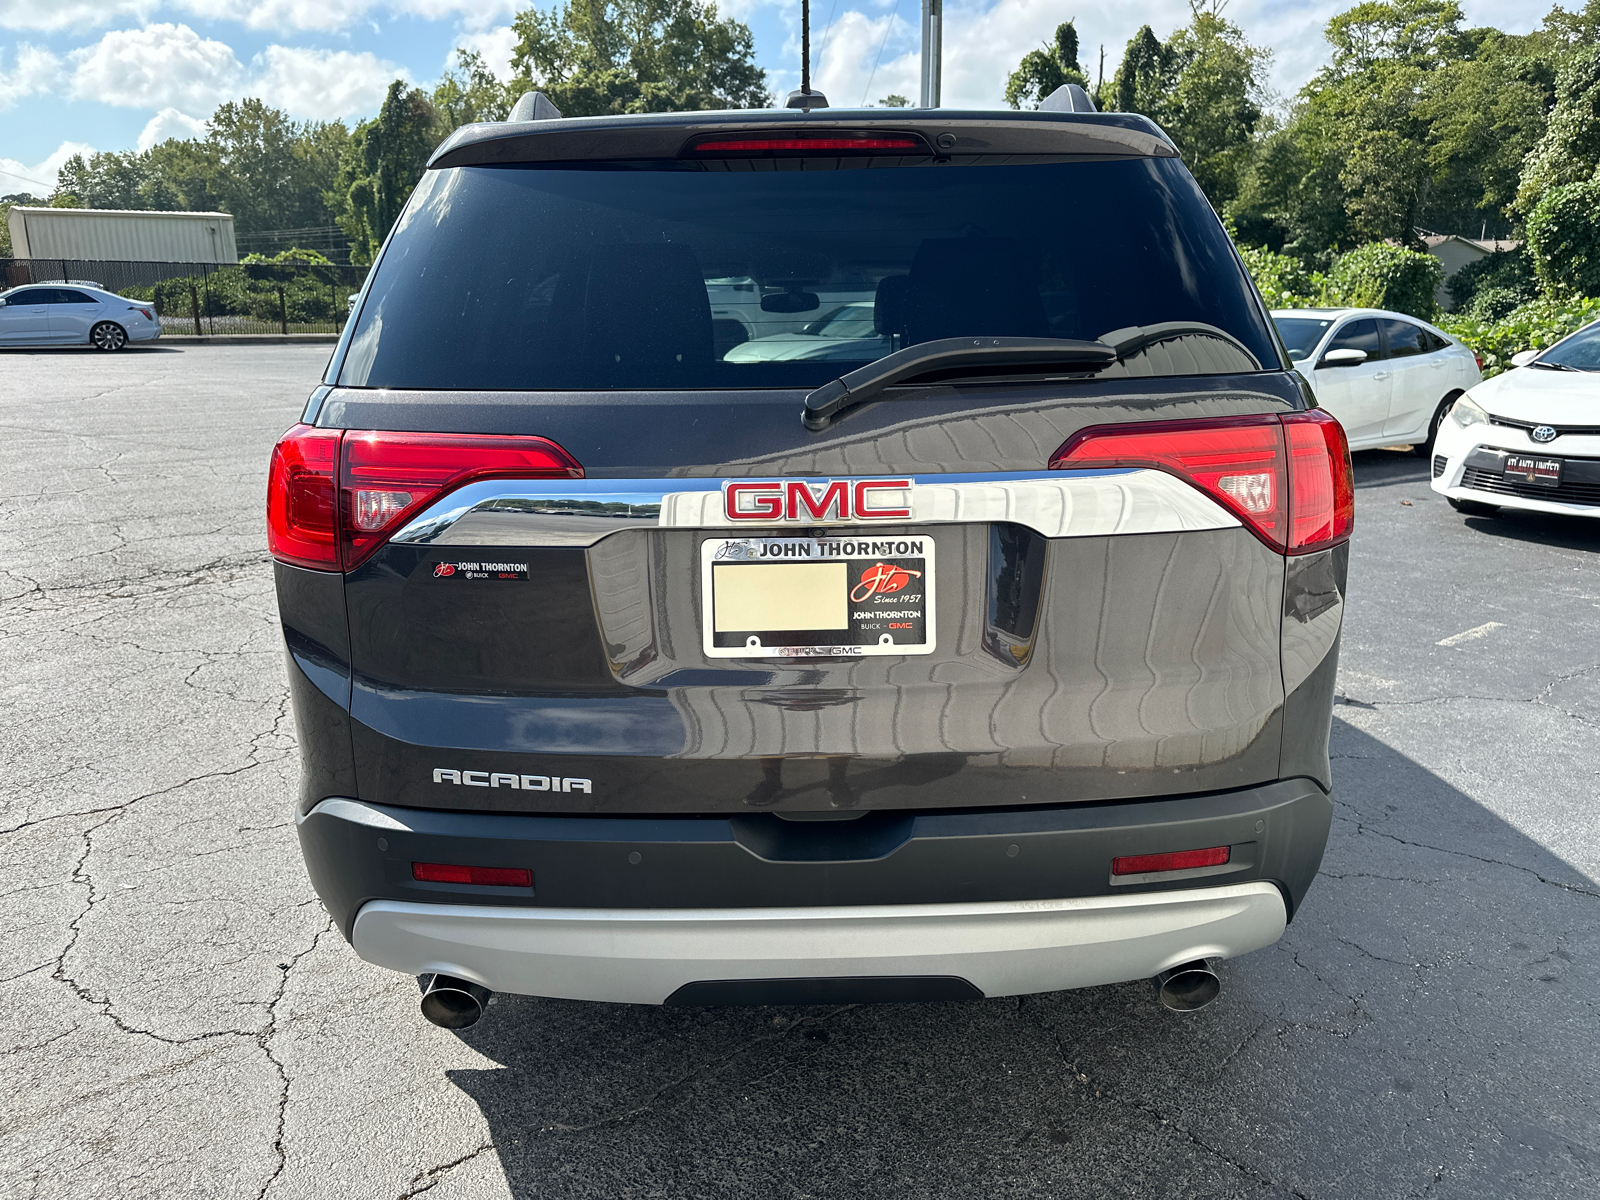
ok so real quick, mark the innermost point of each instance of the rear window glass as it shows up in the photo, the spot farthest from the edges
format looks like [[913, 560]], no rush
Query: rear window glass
[[668, 275]]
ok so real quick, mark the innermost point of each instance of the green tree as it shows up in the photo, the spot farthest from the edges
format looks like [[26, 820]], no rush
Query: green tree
[[111, 180], [894, 100], [593, 57], [470, 92], [1564, 239], [1043, 71], [1380, 275], [381, 165], [1147, 76], [1570, 148]]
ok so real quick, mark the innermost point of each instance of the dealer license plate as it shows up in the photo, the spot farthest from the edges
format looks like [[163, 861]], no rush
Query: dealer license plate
[[1532, 468], [817, 597]]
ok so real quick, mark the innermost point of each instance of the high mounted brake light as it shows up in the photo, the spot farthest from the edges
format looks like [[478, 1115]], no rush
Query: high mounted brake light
[[335, 496], [830, 143], [1287, 479]]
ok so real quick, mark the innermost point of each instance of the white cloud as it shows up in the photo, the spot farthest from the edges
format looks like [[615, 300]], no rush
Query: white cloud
[[36, 71], [863, 59], [38, 179], [329, 15], [322, 84], [49, 16], [170, 123], [497, 45], [156, 67]]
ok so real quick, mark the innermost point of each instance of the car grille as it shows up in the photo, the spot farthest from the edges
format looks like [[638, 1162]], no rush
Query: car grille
[[1563, 430], [1439, 464], [1566, 493]]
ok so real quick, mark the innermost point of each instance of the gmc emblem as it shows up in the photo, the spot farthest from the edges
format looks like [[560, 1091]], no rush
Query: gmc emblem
[[796, 500]]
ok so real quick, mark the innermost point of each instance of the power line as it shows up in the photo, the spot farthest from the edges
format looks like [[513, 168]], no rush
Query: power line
[[25, 178], [867, 91], [827, 33]]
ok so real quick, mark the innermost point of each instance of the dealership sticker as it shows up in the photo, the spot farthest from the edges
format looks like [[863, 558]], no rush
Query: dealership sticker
[[480, 570]]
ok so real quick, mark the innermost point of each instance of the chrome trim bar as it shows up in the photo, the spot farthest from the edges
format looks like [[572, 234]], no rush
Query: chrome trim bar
[[579, 512]]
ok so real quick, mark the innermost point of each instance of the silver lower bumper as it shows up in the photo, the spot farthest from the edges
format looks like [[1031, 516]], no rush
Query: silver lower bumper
[[642, 956]]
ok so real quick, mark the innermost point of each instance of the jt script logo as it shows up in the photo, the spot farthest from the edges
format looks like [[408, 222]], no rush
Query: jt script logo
[[880, 580], [796, 500], [524, 783]]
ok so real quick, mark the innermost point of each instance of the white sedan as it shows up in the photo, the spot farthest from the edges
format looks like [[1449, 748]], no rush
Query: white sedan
[[77, 315], [1387, 376], [1530, 438]]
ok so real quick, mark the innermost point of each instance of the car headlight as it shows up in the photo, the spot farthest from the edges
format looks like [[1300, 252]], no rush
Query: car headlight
[[1466, 413]]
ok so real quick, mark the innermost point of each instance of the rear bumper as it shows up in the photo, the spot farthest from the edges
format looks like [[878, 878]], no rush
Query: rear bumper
[[646, 957]]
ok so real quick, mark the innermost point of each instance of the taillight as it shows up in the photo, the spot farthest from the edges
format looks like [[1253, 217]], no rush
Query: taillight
[[302, 506], [1478, 358], [386, 478], [1286, 479], [1322, 494], [477, 876], [335, 496]]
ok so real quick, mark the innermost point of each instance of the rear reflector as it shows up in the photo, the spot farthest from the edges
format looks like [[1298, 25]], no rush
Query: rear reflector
[[1286, 478], [1181, 860], [477, 876], [335, 496], [833, 143]]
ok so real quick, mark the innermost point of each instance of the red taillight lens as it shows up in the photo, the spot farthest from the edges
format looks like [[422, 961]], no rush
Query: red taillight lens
[[1237, 460], [302, 509], [1181, 860], [1322, 495], [386, 478], [479, 876], [1478, 358], [1288, 480]]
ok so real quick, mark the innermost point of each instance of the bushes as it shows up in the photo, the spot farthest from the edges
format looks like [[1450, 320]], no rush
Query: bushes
[[1379, 275], [1564, 239], [301, 284], [1507, 272], [1532, 326]]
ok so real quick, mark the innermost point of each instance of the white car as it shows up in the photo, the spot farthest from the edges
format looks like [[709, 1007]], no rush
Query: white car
[[50, 314], [1388, 377], [1530, 438]]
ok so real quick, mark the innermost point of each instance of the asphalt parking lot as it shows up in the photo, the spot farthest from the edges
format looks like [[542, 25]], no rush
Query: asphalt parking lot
[[180, 1020]]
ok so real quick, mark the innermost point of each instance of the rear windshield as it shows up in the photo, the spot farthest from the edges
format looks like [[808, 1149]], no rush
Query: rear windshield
[[669, 275]]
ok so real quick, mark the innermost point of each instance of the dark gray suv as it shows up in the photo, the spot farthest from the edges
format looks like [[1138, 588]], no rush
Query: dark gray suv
[[775, 557]]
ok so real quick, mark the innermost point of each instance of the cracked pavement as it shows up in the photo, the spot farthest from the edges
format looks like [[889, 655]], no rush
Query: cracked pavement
[[179, 1019]]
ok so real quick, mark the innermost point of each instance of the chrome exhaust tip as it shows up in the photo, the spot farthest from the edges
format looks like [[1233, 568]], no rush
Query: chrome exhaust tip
[[452, 1003], [1187, 986]]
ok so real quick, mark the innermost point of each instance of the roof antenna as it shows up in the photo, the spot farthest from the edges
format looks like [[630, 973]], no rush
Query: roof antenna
[[805, 98]]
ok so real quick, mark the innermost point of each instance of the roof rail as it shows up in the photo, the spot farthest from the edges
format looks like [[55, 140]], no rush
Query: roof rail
[[1069, 97], [534, 106]]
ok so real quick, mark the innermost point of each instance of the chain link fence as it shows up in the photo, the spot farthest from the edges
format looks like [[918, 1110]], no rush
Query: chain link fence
[[207, 299]]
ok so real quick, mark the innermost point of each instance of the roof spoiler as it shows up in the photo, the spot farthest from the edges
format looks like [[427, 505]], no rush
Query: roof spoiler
[[1069, 97], [534, 106]]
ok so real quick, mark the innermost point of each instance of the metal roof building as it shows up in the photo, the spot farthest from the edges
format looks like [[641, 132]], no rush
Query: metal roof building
[[92, 234]]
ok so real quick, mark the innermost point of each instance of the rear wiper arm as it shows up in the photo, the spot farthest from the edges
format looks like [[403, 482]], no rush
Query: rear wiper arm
[[981, 354]]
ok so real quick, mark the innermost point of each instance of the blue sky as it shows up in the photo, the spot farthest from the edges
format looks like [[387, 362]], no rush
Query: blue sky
[[81, 75]]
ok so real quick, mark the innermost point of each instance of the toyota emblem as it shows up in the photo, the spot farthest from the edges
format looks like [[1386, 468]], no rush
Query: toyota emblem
[[1543, 433]]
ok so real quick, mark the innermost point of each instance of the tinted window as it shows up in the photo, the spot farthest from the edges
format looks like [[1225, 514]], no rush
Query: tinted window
[[69, 296], [31, 296], [1405, 339], [1358, 335], [595, 276], [1300, 334], [1434, 342], [1581, 351]]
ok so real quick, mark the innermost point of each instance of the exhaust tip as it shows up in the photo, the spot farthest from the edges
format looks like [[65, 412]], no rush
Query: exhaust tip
[[1187, 987], [452, 1003]]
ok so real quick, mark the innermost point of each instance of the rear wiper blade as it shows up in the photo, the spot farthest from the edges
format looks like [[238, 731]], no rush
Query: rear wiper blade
[[981, 354]]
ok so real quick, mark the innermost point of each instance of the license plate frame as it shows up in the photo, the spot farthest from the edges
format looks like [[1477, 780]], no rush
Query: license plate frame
[[1537, 469], [891, 577]]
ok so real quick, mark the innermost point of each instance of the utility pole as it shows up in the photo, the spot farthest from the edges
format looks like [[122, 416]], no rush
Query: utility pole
[[932, 50]]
